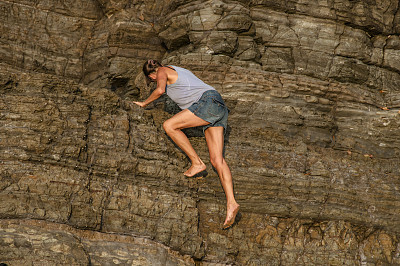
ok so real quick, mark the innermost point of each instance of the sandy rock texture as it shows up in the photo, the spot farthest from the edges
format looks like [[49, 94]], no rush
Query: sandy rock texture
[[88, 178]]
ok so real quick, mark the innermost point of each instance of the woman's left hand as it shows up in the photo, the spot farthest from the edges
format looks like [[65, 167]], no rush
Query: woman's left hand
[[141, 104]]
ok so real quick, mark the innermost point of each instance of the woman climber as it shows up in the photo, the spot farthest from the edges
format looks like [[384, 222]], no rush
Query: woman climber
[[203, 106]]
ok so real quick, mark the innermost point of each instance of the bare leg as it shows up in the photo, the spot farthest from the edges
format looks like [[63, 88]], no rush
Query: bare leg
[[215, 143], [173, 126]]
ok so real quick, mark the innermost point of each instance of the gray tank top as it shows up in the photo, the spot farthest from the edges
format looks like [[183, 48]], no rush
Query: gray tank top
[[187, 89]]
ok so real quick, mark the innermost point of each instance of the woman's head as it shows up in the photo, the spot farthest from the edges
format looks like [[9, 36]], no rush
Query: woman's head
[[150, 67]]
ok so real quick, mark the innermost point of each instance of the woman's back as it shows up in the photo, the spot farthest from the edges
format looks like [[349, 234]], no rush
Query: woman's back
[[187, 89]]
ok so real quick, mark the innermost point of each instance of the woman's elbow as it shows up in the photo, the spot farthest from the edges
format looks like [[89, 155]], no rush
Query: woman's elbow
[[160, 91]]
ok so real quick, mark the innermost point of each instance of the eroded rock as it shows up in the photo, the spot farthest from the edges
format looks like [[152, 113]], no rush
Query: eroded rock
[[313, 143]]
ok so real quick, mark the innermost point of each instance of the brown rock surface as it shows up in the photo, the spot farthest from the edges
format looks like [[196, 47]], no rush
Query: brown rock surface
[[86, 177]]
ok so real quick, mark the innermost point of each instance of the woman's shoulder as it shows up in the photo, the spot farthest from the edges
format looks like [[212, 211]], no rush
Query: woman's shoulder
[[173, 67]]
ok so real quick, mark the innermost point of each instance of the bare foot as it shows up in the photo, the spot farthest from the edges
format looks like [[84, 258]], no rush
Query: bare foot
[[231, 213], [195, 169]]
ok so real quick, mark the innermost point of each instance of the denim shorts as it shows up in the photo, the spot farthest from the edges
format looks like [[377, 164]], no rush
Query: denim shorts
[[211, 108]]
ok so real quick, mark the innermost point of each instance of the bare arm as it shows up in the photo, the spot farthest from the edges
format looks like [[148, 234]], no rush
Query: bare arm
[[161, 78]]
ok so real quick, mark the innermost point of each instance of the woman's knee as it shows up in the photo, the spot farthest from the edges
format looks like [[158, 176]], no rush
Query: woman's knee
[[168, 126], [217, 162]]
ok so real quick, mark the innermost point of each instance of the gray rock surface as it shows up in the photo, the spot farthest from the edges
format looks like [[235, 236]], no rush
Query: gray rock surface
[[87, 177], [43, 243]]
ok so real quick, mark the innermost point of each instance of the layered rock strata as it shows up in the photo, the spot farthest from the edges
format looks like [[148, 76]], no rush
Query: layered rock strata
[[89, 178]]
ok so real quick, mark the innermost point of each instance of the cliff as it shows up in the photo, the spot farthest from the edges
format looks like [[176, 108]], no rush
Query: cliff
[[88, 178]]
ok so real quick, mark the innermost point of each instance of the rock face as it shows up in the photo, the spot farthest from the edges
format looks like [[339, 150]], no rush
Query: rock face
[[86, 177]]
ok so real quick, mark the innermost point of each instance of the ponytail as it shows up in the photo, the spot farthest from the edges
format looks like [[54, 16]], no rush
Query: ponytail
[[150, 66]]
